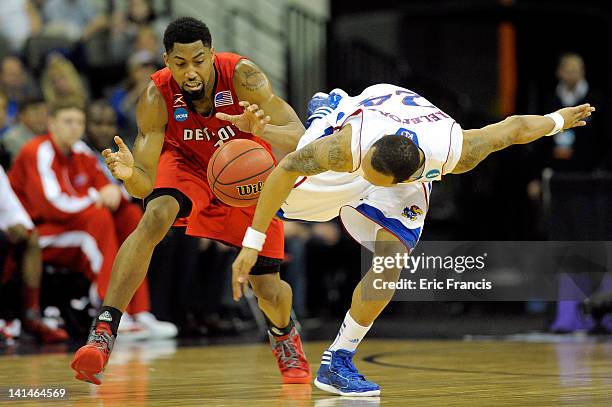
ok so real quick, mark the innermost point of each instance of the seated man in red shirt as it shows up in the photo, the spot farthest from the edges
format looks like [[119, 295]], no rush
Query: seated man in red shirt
[[18, 230], [81, 217]]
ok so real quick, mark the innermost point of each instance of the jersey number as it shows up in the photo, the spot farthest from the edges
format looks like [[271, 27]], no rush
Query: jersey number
[[408, 100]]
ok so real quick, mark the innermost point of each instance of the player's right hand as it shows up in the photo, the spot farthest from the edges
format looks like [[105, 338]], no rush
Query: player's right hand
[[121, 162], [240, 270], [575, 116]]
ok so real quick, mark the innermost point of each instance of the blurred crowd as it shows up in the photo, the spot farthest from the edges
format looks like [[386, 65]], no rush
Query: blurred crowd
[[70, 74]]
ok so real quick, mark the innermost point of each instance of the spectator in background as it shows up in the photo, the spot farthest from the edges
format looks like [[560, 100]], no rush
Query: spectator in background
[[60, 80], [18, 228], [17, 83], [19, 20], [577, 150], [127, 26], [81, 217], [5, 157], [123, 99], [78, 20], [101, 128], [147, 40], [32, 121]]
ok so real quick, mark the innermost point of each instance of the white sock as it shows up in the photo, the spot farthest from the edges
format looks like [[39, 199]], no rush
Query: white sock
[[349, 335]]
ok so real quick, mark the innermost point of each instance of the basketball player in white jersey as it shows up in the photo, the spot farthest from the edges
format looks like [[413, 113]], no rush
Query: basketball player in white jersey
[[371, 160]]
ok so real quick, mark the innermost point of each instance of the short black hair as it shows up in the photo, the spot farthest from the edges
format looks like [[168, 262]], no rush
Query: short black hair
[[30, 101], [186, 30], [397, 156]]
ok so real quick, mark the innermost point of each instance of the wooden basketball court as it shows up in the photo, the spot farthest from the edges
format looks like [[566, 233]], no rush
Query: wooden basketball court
[[420, 373]]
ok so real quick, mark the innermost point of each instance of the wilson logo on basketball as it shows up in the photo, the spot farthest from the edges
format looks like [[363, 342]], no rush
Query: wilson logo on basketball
[[250, 189]]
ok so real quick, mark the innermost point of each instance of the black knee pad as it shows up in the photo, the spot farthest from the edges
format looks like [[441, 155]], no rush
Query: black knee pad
[[266, 265], [184, 202]]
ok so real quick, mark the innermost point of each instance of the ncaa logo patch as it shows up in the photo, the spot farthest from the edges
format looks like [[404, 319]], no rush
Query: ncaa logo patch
[[432, 174], [180, 114]]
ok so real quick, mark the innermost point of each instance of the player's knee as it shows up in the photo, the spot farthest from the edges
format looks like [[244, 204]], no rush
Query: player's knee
[[390, 274], [389, 270], [159, 216], [266, 287]]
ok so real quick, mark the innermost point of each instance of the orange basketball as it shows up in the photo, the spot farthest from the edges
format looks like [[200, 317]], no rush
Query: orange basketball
[[237, 171]]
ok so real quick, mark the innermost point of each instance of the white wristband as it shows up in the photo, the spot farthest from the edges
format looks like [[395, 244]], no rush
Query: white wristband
[[559, 123], [254, 239]]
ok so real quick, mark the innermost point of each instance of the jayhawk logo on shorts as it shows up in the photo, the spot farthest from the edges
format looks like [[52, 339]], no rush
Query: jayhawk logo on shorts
[[412, 212]]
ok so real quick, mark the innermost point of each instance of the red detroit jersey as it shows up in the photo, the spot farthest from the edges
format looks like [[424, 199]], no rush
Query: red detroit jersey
[[190, 141], [192, 135]]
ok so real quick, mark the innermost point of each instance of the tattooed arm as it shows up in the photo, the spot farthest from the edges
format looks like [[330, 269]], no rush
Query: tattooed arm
[[252, 85], [331, 153], [479, 143]]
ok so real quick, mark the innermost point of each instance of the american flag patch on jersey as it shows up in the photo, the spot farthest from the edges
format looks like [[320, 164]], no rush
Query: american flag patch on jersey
[[223, 98]]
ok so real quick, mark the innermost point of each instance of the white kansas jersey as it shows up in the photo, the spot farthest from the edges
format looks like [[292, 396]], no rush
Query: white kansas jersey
[[379, 110]]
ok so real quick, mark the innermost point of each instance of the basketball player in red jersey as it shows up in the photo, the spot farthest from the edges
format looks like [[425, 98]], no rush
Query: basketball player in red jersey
[[182, 121]]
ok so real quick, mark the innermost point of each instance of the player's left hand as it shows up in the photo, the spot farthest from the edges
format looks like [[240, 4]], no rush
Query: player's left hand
[[253, 120], [575, 116], [240, 270]]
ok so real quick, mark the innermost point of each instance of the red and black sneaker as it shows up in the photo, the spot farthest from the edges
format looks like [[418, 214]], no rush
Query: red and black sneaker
[[45, 333], [89, 361], [290, 357]]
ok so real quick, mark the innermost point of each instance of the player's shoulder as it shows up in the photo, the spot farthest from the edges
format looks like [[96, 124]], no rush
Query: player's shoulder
[[152, 98], [152, 108], [245, 66], [152, 93], [228, 57]]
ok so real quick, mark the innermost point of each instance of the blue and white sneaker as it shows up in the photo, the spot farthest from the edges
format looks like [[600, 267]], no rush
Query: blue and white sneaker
[[318, 107], [319, 99], [335, 96], [338, 375]]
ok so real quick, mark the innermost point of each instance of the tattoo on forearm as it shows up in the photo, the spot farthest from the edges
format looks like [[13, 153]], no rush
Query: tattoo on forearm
[[317, 157], [253, 79], [303, 161], [476, 149], [337, 158]]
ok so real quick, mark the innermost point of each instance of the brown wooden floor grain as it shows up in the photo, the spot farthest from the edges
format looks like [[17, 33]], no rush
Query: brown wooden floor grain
[[419, 373]]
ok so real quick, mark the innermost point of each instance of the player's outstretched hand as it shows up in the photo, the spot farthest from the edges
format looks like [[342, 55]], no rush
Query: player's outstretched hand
[[253, 120], [240, 270], [575, 116], [121, 162]]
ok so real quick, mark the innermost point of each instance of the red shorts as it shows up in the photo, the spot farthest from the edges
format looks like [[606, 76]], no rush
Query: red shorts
[[209, 217]]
